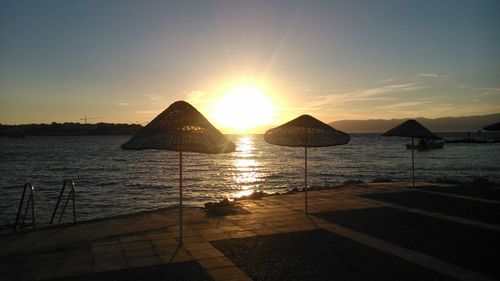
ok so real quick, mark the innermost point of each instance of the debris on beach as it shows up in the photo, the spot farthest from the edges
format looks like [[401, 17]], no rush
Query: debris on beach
[[224, 208], [381, 180], [352, 182]]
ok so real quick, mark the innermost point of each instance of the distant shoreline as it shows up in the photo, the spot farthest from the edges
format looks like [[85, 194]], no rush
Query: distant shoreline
[[68, 129], [103, 129]]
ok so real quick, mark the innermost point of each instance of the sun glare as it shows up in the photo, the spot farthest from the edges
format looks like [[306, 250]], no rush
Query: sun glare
[[243, 108]]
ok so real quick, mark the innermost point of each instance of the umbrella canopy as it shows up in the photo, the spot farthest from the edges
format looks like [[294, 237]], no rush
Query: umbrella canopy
[[413, 129], [306, 131], [493, 127], [181, 128]]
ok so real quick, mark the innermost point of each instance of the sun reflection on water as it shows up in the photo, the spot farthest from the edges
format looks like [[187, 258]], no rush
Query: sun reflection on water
[[247, 169]]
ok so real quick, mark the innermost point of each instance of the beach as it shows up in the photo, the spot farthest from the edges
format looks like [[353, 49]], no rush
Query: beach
[[377, 231]]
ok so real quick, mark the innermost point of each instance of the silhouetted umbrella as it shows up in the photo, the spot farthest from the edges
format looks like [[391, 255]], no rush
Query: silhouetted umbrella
[[413, 129], [493, 127], [181, 128], [306, 131]]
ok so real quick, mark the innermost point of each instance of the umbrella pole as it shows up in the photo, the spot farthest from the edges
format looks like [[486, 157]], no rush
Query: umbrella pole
[[305, 176], [180, 197], [413, 160]]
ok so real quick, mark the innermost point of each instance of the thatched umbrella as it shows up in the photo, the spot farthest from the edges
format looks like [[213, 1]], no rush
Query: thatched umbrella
[[306, 131], [413, 129], [493, 127], [181, 128]]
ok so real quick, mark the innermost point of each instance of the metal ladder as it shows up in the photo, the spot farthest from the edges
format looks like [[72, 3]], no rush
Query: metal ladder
[[30, 202], [71, 195]]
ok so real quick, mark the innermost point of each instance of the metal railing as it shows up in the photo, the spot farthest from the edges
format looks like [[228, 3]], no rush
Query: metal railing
[[30, 202], [71, 195]]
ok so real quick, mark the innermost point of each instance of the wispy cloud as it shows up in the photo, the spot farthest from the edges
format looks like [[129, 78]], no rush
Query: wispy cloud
[[122, 103], [434, 75], [380, 93], [388, 80], [481, 90], [198, 97], [408, 104], [429, 75], [424, 94], [153, 97], [147, 111]]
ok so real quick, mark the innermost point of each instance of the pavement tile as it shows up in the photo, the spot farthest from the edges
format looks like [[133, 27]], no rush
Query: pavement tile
[[216, 262], [105, 257], [165, 249], [112, 265], [100, 248], [158, 236], [138, 253], [206, 253], [39, 264], [134, 238], [75, 260], [8, 277], [36, 275], [241, 234], [226, 273], [144, 261], [212, 230], [194, 239], [198, 246], [136, 245], [252, 226], [83, 268], [164, 242], [219, 236], [180, 256]]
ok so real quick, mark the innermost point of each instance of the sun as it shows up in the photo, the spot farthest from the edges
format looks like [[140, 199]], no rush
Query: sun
[[243, 108]]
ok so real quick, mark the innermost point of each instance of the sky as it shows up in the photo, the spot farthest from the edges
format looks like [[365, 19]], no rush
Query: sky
[[126, 61]]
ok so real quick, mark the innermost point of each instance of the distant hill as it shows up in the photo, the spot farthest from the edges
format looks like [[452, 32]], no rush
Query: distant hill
[[68, 129], [444, 124]]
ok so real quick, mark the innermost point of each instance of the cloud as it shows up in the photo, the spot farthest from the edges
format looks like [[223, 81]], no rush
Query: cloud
[[481, 90], [122, 103], [389, 80], [153, 97], [425, 94], [197, 97], [434, 75], [148, 111], [429, 75], [408, 104], [381, 93], [201, 99]]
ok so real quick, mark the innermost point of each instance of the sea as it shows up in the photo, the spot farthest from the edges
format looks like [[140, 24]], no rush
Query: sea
[[110, 181]]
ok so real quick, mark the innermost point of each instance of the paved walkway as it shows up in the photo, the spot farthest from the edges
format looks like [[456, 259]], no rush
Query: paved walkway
[[149, 239]]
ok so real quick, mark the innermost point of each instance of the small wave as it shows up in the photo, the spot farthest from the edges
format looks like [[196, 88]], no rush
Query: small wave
[[106, 183], [145, 186]]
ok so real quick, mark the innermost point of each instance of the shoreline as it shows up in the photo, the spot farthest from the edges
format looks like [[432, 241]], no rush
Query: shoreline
[[256, 195]]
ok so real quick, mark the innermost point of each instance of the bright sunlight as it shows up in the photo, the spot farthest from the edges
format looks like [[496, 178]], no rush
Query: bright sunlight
[[243, 108]]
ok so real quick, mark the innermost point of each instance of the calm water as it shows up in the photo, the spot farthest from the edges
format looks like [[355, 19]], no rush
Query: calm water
[[112, 181]]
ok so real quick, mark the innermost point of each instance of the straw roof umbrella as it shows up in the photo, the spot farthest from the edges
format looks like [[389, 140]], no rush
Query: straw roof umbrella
[[181, 128], [413, 129], [306, 131], [493, 127]]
